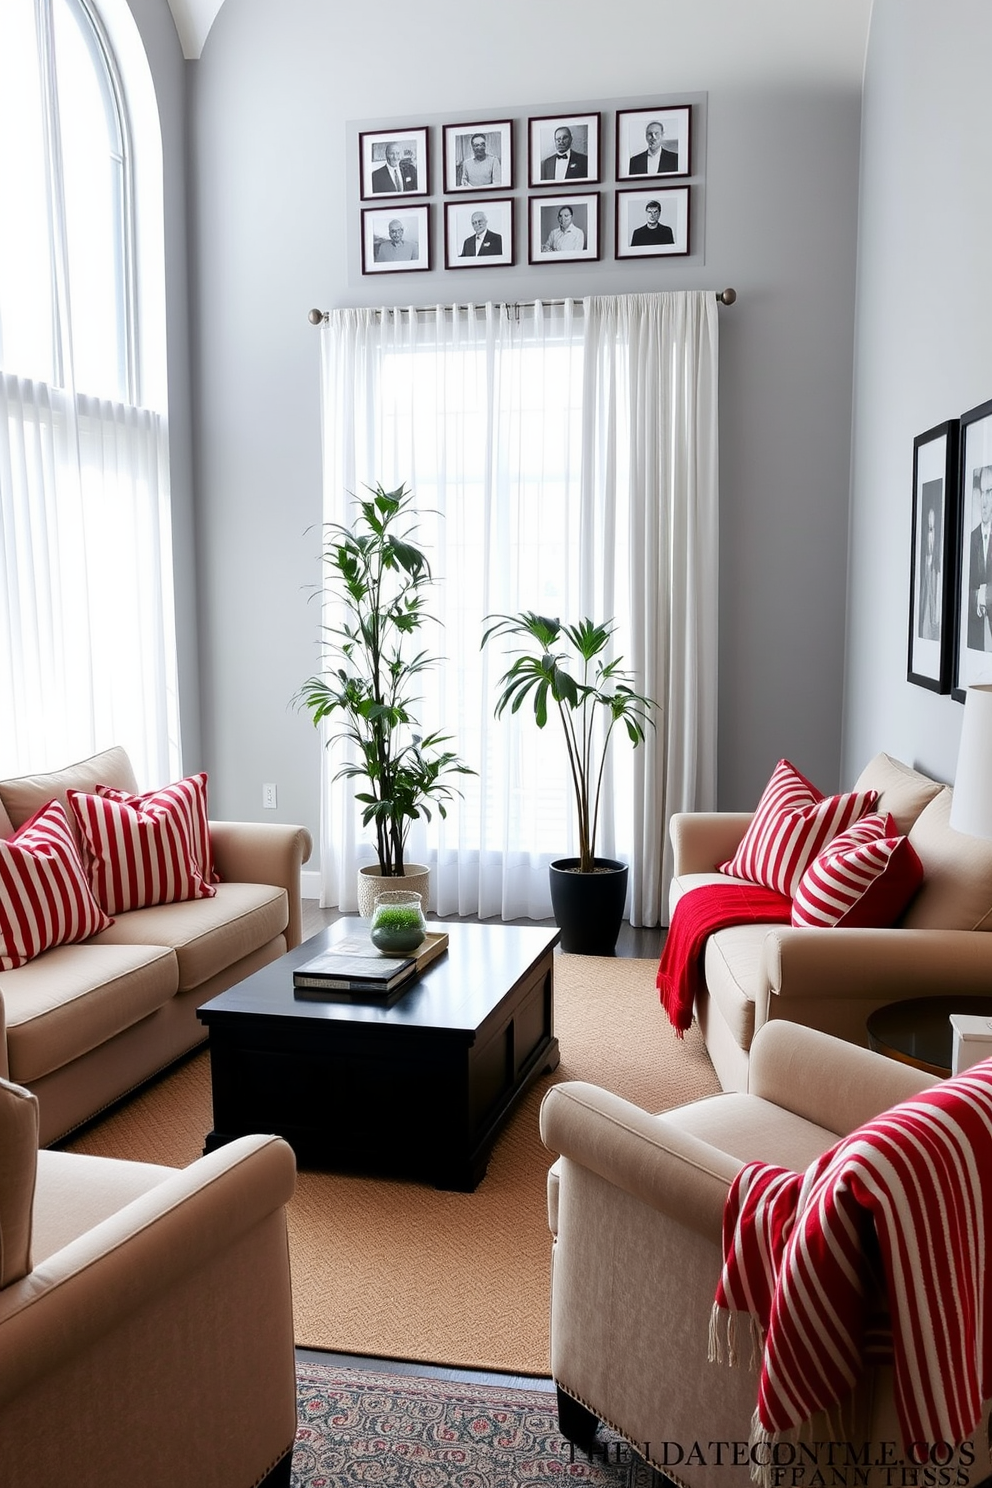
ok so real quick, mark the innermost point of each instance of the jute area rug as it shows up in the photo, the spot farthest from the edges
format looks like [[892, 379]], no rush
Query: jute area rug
[[408, 1432], [398, 1270]]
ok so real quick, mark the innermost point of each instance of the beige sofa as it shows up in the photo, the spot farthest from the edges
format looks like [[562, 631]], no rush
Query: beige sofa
[[636, 1206], [80, 1025], [832, 979], [146, 1324]]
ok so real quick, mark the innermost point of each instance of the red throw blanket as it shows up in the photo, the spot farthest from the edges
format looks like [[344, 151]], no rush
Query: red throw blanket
[[697, 914], [907, 1193]]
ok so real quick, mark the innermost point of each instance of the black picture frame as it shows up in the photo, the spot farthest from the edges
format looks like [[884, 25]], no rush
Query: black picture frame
[[460, 157], [635, 219], [412, 160], [583, 166], [932, 567], [545, 218], [633, 144], [973, 597], [377, 231], [460, 232]]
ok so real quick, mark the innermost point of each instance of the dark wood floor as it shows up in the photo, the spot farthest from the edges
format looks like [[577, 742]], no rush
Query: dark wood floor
[[637, 942], [634, 941]]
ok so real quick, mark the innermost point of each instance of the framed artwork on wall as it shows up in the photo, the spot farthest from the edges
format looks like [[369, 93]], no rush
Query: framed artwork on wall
[[932, 550], [973, 608], [478, 157], [563, 228], [563, 150], [395, 239], [478, 235], [653, 224], [394, 163], [653, 142]]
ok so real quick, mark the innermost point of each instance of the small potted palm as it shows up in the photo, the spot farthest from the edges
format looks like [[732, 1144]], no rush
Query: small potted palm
[[563, 668], [373, 668]]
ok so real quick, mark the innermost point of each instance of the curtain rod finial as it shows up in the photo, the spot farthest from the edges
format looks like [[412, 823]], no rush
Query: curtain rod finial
[[727, 297], [316, 316]]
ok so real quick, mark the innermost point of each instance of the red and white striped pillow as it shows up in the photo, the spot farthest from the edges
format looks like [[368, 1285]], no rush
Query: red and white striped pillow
[[792, 824], [138, 851], [189, 796], [45, 899], [863, 879]]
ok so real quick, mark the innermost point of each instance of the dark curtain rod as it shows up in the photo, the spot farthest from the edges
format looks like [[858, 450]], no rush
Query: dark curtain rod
[[317, 317]]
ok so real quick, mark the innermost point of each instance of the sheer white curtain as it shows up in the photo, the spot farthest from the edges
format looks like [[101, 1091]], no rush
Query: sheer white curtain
[[564, 458], [87, 644]]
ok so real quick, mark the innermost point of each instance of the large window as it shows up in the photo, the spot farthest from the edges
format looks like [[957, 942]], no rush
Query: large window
[[87, 651]]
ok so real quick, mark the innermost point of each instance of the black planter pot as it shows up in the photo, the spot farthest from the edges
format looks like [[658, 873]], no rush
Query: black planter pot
[[589, 906]]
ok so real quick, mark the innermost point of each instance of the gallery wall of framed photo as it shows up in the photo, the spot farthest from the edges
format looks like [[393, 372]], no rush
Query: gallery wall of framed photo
[[618, 182]]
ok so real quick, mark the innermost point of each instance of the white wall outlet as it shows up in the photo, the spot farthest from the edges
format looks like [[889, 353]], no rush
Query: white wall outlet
[[269, 797]]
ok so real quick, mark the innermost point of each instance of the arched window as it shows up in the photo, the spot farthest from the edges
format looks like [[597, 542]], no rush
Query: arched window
[[87, 650]]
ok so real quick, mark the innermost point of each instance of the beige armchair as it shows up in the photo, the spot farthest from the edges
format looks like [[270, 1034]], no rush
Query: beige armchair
[[146, 1332], [635, 1205]]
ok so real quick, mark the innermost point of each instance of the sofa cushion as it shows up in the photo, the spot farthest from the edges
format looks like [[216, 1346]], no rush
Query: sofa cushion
[[76, 1191], [66, 1002], [18, 1166], [734, 962], [753, 1129], [45, 899], [792, 823], [207, 935], [138, 850], [957, 884], [864, 879], [26, 794], [902, 791]]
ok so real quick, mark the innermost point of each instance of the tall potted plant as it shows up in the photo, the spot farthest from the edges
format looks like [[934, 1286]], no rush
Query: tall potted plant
[[566, 666], [372, 671]]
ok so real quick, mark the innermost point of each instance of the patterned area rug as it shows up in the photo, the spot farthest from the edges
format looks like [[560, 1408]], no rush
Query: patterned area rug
[[357, 1427]]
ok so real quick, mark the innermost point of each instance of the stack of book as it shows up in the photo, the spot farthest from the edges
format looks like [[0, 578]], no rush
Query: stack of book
[[354, 969]]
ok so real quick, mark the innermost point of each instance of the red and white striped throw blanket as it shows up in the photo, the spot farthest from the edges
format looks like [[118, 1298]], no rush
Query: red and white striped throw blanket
[[908, 1194]]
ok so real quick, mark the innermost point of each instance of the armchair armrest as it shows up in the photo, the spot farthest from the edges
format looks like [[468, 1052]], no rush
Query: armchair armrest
[[702, 839], [876, 965], [267, 853], [825, 1080], [651, 1158], [179, 1306]]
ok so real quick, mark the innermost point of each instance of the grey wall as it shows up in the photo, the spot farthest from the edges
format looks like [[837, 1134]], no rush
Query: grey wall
[[270, 100], [924, 332], [165, 59]]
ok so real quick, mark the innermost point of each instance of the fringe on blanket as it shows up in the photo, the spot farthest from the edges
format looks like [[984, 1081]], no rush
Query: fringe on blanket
[[844, 1421], [722, 1347]]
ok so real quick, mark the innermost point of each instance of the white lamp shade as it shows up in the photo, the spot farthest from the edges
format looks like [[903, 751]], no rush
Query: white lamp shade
[[971, 808]]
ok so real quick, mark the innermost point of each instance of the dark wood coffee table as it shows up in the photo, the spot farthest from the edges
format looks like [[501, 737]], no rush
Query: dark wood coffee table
[[416, 1089]]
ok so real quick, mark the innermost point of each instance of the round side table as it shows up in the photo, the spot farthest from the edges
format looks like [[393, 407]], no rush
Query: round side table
[[918, 1031]]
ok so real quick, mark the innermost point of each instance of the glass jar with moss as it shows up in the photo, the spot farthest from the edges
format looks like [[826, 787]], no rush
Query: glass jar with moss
[[398, 925]]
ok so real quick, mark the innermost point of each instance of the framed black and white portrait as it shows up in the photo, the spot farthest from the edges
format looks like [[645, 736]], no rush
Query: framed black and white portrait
[[478, 157], [653, 142], [931, 579], [563, 227], [395, 239], [478, 234], [653, 224], [563, 150], [973, 607], [394, 164]]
